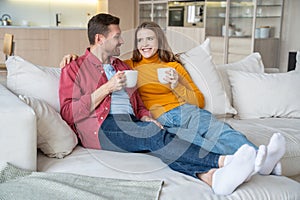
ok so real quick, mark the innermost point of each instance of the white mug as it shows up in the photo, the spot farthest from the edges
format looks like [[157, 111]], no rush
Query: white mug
[[161, 74], [131, 78]]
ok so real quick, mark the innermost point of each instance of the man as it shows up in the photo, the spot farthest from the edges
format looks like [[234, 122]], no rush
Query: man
[[106, 115]]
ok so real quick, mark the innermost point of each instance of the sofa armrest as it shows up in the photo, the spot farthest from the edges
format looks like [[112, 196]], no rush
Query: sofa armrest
[[18, 134]]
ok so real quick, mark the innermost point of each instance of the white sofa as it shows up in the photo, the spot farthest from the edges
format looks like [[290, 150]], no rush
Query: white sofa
[[26, 123]]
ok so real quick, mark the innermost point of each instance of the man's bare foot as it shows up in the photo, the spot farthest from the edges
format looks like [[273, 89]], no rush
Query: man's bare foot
[[207, 177]]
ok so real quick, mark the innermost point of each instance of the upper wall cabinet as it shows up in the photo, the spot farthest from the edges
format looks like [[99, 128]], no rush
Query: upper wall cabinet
[[237, 28], [153, 10]]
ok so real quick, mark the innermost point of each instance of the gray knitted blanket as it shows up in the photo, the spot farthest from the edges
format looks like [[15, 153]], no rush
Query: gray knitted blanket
[[18, 184]]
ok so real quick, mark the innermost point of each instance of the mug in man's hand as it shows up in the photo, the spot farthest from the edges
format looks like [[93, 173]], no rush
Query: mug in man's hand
[[131, 78]]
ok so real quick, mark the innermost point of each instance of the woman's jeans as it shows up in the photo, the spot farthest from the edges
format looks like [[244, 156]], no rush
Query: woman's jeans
[[200, 127], [124, 133]]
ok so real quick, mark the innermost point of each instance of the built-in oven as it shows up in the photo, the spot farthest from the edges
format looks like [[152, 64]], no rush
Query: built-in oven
[[186, 13], [176, 16]]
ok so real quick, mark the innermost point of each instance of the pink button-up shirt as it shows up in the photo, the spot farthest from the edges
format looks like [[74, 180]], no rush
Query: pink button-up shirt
[[78, 81]]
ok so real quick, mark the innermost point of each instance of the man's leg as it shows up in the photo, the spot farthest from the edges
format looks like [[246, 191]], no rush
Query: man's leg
[[129, 135]]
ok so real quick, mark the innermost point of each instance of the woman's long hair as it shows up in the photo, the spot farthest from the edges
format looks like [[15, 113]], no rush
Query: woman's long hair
[[164, 51]]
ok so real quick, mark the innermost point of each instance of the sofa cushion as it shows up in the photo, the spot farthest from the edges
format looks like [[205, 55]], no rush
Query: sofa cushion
[[202, 70], [265, 95], [252, 63], [54, 137], [137, 166], [32, 80], [259, 131]]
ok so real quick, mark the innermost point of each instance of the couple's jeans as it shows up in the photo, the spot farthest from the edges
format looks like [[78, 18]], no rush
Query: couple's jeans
[[124, 133], [200, 127]]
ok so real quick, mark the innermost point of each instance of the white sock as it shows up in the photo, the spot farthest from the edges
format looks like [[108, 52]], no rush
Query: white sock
[[259, 160], [226, 179], [228, 159], [277, 170], [261, 155], [275, 151]]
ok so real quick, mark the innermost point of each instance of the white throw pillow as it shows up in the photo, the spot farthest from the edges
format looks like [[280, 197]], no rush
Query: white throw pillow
[[28, 79], [202, 70], [55, 138], [298, 61], [252, 63], [265, 95]]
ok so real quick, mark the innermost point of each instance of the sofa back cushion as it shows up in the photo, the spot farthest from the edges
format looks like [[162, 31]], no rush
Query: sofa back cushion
[[32, 80], [252, 63], [261, 95], [202, 70]]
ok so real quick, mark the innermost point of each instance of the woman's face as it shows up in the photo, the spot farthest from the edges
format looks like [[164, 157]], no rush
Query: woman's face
[[147, 43]]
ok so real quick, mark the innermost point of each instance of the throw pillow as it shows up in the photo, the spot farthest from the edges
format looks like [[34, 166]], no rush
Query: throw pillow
[[251, 63], [202, 70], [55, 138], [28, 79], [263, 95]]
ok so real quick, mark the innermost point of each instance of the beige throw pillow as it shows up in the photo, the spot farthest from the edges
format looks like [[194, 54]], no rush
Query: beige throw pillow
[[55, 138]]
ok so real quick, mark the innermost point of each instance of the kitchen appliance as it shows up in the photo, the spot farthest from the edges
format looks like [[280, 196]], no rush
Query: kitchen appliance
[[6, 20], [186, 13]]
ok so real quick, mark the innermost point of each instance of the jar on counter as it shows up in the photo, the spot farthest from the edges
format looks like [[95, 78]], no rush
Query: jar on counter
[[265, 31]]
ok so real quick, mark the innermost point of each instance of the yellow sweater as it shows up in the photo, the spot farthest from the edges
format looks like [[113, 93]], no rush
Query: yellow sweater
[[160, 98]]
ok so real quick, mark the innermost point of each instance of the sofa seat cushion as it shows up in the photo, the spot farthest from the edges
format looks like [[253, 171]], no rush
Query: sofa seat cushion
[[259, 132], [135, 166]]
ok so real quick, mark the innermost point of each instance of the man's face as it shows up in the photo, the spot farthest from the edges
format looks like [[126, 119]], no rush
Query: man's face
[[147, 42], [113, 41]]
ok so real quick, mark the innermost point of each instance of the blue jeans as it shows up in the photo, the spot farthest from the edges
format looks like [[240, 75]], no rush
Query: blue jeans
[[200, 127], [124, 133]]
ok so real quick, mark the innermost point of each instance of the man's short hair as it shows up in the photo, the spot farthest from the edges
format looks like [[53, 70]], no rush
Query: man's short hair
[[99, 25]]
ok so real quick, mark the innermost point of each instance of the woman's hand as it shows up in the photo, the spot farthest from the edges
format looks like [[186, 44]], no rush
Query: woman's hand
[[150, 119], [172, 78], [67, 59]]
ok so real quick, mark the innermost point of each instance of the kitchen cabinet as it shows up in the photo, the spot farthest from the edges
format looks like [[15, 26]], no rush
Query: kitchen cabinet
[[237, 28], [46, 46], [154, 10]]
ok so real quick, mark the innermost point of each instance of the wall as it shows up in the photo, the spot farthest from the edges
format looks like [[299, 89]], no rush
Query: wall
[[126, 10], [290, 40], [74, 13]]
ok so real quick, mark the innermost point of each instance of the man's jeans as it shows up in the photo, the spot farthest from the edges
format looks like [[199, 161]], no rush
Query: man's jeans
[[200, 127], [124, 133]]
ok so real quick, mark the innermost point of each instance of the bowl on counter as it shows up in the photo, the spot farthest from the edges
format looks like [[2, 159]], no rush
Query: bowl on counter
[[239, 33]]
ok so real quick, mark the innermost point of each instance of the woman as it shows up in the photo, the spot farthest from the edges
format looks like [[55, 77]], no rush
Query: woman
[[179, 104]]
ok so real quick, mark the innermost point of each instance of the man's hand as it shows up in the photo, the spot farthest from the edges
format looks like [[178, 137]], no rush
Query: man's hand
[[117, 82], [67, 59], [149, 119]]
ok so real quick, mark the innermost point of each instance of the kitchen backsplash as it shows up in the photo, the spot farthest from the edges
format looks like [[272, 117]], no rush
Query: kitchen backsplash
[[72, 13]]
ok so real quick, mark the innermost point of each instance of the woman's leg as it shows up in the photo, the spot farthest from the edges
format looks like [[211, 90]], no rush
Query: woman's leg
[[202, 128]]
